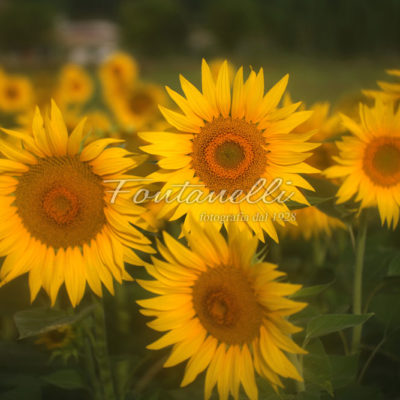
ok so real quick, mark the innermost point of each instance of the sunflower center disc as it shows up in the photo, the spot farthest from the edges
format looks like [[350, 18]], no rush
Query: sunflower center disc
[[382, 161], [57, 336], [141, 102], [229, 154], [12, 92], [61, 205], [226, 305], [61, 202]]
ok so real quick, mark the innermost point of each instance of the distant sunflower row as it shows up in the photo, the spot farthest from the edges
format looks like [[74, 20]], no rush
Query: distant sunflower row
[[223, 309]]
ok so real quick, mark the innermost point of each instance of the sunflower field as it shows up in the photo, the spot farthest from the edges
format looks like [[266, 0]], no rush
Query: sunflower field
[[199, 201]]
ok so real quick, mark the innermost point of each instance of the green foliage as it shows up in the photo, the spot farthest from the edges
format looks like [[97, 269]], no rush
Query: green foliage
[[328, 323], [65, 379], [317, 367], [33, 322], [311, 290]]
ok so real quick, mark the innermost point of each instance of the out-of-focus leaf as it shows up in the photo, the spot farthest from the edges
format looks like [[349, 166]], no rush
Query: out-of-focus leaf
[[304, 316], [385, 307], [355, 392], [308, 395], [123, 371], [328, 323], [344, 370], [311, 290], [22, 393], [65, 379], [317, 367], [39, 320], [21, 387], [394, 266]]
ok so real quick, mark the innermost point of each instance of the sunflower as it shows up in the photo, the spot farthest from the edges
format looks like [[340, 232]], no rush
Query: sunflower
[[75, 85], [98, 122], [312, 222], [118, 73], [369, 160], [57, 220], [16, 93], [221, 311], [137, 107], [56, 338], [228, 144], [326, 126], [390, 91]]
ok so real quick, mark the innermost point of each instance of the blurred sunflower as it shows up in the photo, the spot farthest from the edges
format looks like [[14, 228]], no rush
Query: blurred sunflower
[[312, 222], [369, 160], [16, 93], [390, 91], [137, 107], [58, 223], [56, 338], [227, 143], [222, 311], [75, 86], [118, 73], [98, 123], [326, 126]]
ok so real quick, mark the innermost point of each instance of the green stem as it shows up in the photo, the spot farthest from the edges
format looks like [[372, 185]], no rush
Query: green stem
[[91, 370], [370, 358], [376, 289], [357, 284], [344, 341], [101, 350]]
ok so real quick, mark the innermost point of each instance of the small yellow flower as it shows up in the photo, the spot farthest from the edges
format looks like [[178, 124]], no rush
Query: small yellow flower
[[57, 220], [16, 93], [98, 123], [222, 311], [118, 73], [57, 338], [311, 222], [75, 86], [138, 107], [369, 160]]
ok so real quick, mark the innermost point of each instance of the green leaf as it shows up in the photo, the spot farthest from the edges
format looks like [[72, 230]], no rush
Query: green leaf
[[325, 324], [65, 379], [394, 266], [311, 290], [22, 393], [356, 391], [308, 395], [20, 387], [317, 367], [324, 189], [344, 370], [35, 321]]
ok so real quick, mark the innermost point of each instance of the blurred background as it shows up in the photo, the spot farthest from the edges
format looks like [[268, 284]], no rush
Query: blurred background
[[329, 47]]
